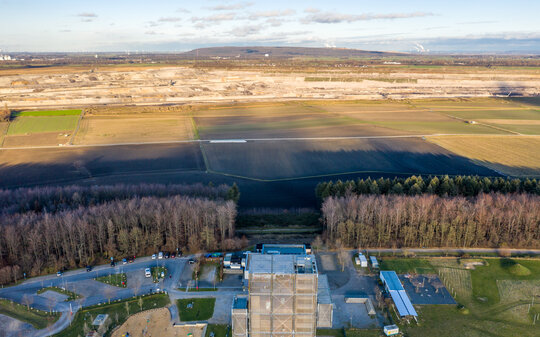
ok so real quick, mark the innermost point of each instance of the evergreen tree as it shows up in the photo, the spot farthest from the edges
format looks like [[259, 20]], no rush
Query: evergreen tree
[[233, 193]]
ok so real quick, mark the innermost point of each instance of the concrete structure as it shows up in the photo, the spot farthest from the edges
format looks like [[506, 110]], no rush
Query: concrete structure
[[401, 300], [282, 295], [370, 309], [240, 316], [325, 308]]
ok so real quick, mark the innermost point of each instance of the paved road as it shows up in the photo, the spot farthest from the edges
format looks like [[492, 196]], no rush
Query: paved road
[[94, 292], [501, 251]]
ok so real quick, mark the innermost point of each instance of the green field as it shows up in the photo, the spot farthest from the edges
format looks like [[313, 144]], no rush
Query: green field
[[24, 125], [114, 279], [116, 311], [403, 266], [219, 330], [493, 299], [38, 319], [47, 113], [70, 294], [202, 309], [484, 278]]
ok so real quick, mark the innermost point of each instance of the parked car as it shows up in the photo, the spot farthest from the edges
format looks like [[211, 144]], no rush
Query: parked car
[[124, 261], [173, 255], [167, 255], [59, 273], [191, 261], [147, 272], [160, 255], [154, 256], [113, 263], [88, 268], [131, 259]]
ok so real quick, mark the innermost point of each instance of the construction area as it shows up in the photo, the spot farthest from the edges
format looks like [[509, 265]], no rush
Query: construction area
[[283, 295], [158, 323]]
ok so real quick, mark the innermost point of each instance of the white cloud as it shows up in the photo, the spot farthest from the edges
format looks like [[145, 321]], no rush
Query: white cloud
[[214, 18], [312, 10], [246, 30], [87, 15], [271, 14], [238, 5], [169, 19], [331, 17]]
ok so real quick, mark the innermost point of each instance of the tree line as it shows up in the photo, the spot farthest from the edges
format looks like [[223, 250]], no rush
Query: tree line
[[416, 185], [58, 198], [486, 220], [38, 242]]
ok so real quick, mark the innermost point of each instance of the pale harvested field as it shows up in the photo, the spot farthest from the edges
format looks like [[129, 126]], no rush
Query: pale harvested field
[[3, 129], [511, 155], [133, 128], [37, 139], [159, 324]]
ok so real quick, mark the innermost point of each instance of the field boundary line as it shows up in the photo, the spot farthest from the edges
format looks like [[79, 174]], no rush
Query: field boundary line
[[331, 175], [76, 127], [267, 140]]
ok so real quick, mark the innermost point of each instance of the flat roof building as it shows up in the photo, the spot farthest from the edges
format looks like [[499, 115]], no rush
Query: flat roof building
[[276, 249], [394, 287]]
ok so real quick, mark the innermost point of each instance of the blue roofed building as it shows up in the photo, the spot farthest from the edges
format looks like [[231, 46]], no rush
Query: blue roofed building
[[393, 286]]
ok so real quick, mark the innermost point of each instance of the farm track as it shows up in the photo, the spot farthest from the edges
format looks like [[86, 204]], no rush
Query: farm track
[[261, 140]]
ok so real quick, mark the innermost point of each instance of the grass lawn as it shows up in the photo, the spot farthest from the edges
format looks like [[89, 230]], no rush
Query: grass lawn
[[405, 265], [117, 313], [38, 319], [449, 321], [219, 330], [23, 125], [202, 309], [496, 306], [114, 280], [484, 278], [156, 273], [47, 113], [283, 220], [330, 332], [363, 332], [70, 294]]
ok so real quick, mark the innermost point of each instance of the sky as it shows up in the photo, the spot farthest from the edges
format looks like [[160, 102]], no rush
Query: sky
[[473, 26]]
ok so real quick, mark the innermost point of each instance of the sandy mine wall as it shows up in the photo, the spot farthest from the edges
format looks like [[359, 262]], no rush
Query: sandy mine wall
[[185, 85]]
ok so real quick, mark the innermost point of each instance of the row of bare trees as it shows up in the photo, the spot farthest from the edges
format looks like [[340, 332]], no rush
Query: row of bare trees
[[58, 198], [44, 242], [487, 220]]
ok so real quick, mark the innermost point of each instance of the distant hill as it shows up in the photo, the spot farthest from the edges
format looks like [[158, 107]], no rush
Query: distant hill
[[283, 52]]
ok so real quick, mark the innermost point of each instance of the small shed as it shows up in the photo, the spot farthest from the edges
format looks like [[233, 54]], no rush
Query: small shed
[[391, 330], [374, 262], [363, 260]]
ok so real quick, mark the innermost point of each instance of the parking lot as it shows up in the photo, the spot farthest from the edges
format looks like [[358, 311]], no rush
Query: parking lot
[[344, 281]]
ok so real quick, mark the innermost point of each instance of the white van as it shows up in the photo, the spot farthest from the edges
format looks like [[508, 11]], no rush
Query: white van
[[147, 272]]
